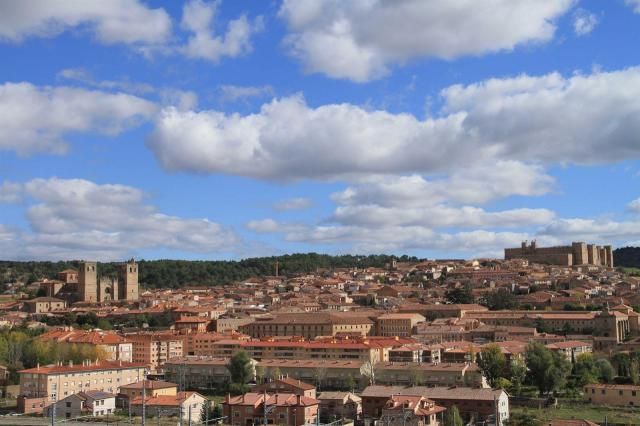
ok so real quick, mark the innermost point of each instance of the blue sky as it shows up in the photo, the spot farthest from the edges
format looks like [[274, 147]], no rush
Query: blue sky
[[230, 129]]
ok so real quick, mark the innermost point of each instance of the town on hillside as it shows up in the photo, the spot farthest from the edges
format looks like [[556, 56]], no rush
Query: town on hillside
[[547, 334]]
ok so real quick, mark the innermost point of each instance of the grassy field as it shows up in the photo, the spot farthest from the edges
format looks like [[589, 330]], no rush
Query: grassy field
[[582, 411]]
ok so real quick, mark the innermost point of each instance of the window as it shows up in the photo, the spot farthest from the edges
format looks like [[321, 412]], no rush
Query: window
[[68, 404]]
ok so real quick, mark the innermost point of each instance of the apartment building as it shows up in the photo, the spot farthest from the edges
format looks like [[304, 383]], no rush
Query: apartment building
[[397, 324], [151, 388], [309, 325], [112, 345], [199, 371], [473, 403], [284, 408], [155, 349], [42, 385]]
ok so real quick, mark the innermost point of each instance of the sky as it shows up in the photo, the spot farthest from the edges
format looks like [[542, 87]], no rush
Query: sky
[[235, 128]]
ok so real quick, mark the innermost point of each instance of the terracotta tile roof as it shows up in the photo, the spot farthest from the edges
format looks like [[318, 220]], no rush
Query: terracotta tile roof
[[101, 365]]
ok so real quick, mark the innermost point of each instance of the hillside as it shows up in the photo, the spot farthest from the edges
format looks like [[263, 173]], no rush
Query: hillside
[[178, 273], [628, 257]]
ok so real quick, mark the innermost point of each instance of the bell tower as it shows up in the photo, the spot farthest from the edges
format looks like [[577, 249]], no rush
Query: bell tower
[[88, 282], [128, 281]]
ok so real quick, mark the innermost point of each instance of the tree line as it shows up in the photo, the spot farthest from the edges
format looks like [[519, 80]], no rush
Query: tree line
[[178, 273]]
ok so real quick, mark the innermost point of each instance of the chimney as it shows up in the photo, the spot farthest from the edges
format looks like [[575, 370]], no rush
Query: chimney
[[70, 363]]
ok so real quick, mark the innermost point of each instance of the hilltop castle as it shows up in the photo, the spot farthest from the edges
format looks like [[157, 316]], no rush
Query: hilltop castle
[[84, 285], [578, 253]]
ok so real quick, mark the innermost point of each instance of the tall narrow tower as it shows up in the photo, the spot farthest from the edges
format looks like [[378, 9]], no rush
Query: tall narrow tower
[[88, 282], [128, 281]]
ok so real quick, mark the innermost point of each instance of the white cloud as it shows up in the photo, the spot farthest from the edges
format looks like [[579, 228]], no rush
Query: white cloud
[[361, 39], [583, 119], [592, 230], [232, 93], [198, 18], [633, 206], [76, 218], [584, 22], [10, 192], [36, 119], [475, 185], [298, 203], [113, 21], [635, 4]]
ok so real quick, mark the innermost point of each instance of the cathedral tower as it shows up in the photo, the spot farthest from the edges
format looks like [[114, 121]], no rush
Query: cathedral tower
[[88, 282], [128, 281]]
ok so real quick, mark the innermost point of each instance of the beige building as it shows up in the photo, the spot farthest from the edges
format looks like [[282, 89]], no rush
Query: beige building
[[189, 404], [578, 253], [616, 395], [41, 386], [308, 325], [152, 388], [43, 305], [155, 349], [395, 324]]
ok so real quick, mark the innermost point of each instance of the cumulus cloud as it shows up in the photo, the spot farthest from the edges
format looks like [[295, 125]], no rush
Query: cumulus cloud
[[550, 119], [113, 21], [584, 22], [36, 119], [198, 18], [361, 39], [298, 203], [76, 218], [475, 185]]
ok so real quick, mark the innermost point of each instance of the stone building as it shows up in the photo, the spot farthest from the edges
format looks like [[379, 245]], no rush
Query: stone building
[[578, 253], [85, 285]]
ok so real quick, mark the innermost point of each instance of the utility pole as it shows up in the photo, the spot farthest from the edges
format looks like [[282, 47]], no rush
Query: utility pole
[[189, 414], [144, 396], [53, 410]]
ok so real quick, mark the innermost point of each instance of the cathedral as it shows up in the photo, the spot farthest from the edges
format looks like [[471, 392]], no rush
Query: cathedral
[[84, 285]]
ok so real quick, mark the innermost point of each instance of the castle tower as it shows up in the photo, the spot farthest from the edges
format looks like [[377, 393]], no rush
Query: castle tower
[[603, 256], [128, 281], [609, 252], [88, 282], [580, 253]]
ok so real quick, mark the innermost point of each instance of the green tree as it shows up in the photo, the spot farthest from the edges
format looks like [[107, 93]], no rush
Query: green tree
[[501, 299], [548, 370], [518, 375], [207, 412], [605, 370], [349, 383], [462, 294], [622, 363], [240, 370], [452, 417], [585, 370], [492, 362]]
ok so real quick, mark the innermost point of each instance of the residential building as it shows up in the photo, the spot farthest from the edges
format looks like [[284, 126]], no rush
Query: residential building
[[397, 324], [473, 403], [339, 405], [151, 388], [187, 405], [154, 349], [90, 403], [279, 408], [616, 395], [43, 385], [308, 325], [410, 410], [287, 385]]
